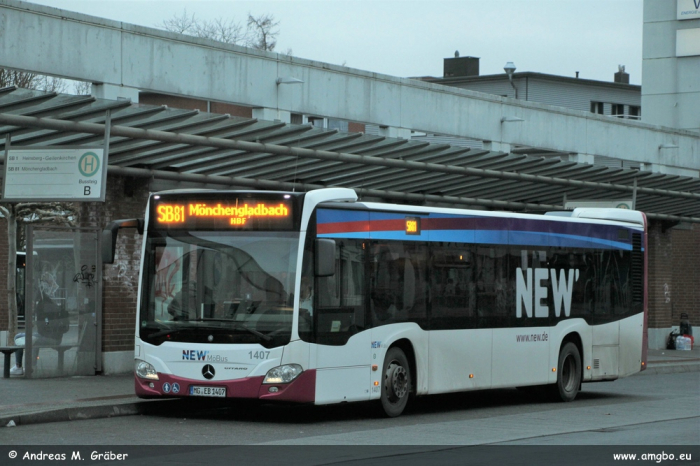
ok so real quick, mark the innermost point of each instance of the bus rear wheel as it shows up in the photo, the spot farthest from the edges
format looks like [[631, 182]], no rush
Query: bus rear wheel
[[396, 383], [568, 373]]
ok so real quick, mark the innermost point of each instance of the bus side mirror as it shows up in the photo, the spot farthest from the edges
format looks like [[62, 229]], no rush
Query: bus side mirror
[[325, 257], [109, 236], [109, 244]]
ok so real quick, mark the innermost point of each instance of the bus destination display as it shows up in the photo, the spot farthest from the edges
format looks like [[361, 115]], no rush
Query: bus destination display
[[248, 214]]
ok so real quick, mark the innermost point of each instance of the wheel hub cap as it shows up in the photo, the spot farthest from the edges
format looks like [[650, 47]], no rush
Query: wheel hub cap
[[398, 382]]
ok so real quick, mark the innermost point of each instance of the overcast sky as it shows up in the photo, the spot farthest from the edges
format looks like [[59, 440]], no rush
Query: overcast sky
[[410, 38]]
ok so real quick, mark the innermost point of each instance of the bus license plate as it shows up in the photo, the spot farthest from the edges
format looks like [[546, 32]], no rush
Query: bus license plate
[[208, 391]]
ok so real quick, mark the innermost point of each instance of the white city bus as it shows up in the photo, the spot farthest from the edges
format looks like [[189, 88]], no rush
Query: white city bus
[[320, 298]]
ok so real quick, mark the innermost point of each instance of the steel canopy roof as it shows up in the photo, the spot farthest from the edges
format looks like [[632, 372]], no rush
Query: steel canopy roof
[[185, 145]]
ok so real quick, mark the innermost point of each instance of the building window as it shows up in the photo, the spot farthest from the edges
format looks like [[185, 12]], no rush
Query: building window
[[318, 122], [618, 110], [340, 125], [635, 112], [597, 107]]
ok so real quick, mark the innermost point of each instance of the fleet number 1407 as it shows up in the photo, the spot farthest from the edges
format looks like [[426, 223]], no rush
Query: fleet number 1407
[[259, 354]]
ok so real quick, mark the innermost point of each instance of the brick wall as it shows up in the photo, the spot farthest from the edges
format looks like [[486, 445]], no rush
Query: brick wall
[[660, 280], [231, 109], [686, 274], [356, 127], [126, 198]]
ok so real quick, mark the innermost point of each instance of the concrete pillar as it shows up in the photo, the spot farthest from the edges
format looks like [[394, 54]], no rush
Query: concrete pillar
[[669, 169], [496, 146], [112, 92], [272, 114], [393, 132]]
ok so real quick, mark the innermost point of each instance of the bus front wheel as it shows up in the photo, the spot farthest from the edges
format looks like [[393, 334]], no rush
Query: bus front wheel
[[569, 373], [396, 383]]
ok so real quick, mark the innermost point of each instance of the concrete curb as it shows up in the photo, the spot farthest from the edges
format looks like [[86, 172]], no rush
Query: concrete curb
[[75, 413], [671, 368]]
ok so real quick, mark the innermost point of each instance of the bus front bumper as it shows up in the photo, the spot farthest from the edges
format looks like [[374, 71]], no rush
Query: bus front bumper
[[300, 390]]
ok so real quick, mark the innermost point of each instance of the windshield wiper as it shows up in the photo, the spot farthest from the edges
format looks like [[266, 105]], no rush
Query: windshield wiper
[[253, 331]]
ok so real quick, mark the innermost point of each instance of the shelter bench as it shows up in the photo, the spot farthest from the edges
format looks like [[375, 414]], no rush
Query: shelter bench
[[7, 351]]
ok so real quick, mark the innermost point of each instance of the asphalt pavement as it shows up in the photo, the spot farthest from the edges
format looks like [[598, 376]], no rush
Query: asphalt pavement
[[31, 401]]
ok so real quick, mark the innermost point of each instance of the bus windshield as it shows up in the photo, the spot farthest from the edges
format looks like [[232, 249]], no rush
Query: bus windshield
[[219, 287]]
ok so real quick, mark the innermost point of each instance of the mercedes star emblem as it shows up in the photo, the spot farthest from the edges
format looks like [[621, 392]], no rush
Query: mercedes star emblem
[[208, 372]]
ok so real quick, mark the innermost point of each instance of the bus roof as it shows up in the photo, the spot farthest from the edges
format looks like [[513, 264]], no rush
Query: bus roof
[[594, 215]]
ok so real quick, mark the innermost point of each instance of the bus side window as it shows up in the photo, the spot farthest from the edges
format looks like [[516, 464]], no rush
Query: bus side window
[[453, 287], [623, 289], [612, 296], [383, 300], [341, 297], [495, 292], [399, 283]]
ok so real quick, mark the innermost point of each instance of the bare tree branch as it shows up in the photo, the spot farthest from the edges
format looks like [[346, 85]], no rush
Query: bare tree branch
[[16, 78], [82, 87], [264, 32], [227, 31], [184, 24], [28, 80], [260, 32]]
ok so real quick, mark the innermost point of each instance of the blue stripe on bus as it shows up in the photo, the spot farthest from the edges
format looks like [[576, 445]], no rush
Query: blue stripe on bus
[[341, 216], [476, 229], [546, 239], [520, 238]]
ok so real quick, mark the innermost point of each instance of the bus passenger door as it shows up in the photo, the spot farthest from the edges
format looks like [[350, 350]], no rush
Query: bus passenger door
[[343, 345]]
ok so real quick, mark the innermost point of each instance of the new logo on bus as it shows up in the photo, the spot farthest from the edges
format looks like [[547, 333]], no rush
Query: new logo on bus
[[530, 293], [192, 355]]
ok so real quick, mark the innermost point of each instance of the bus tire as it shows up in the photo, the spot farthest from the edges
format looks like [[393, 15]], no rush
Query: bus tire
[[568, 373], [396, 383]]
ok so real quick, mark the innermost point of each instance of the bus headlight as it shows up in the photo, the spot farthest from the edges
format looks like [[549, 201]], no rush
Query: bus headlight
[[283, 374], [146, 370]]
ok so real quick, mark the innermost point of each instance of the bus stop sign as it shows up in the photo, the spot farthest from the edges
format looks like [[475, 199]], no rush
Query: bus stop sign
[[54, 174]]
